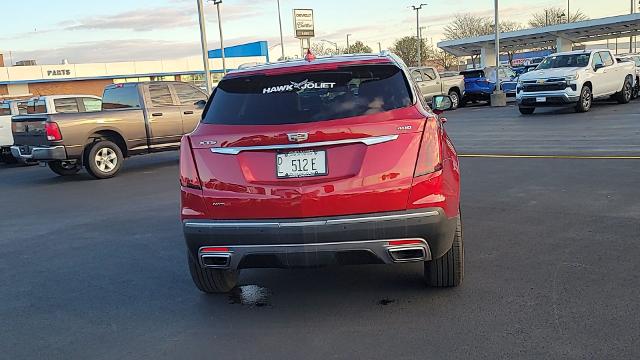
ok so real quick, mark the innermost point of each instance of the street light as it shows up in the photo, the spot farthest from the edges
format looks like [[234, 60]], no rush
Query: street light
[[281, 38], [203, 43], [332, 43], [417, 9], [224, 64]]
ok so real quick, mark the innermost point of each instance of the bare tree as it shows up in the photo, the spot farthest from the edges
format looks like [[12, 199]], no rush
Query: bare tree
[[407, 49], [554, 16], [467, 25], [320, 49]]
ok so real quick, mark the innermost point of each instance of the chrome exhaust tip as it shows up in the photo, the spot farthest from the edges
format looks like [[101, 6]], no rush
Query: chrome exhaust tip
[[408, 254], [215, 260]]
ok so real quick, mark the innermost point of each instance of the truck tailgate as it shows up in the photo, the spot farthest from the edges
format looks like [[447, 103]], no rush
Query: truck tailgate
[[29, 130]]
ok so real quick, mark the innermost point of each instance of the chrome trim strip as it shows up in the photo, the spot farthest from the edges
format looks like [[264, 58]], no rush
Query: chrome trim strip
[[383, 242], [16, 150], [382, 218], [253, 224], [367, 141]]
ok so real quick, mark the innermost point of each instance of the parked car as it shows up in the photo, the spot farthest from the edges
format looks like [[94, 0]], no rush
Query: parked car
[[576, 78], [636, 60], [336, 160], [136, 118], [431, 83], [481, 83], [50, 104]]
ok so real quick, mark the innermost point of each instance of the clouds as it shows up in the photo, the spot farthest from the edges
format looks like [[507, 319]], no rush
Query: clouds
[[136, 20]]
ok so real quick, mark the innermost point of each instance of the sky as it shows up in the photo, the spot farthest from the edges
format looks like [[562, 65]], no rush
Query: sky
[[84, 31]]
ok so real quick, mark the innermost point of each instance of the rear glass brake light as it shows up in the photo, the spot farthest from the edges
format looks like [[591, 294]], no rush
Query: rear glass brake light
[[188, 172], [429, 155], [53, 131]]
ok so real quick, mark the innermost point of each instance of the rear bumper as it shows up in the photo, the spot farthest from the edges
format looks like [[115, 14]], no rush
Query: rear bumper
[[343, 240], [37, 153]]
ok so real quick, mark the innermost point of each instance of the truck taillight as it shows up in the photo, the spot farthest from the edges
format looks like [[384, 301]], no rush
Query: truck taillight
[[188, 172], [53, 131], [430, 153]]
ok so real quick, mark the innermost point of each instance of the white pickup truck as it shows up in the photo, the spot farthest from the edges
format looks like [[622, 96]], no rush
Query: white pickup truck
[[575, 78], [51, 104]]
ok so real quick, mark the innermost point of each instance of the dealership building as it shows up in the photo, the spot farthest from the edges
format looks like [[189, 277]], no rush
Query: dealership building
[[34, 80]]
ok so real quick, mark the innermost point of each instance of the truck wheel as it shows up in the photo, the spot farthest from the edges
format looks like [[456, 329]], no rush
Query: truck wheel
[[212, 281], [64, 168], [7, 158], [447, 271], [624, 96], [455, 99], [636, 90], [103, 159], [526, 110], [585, 100]]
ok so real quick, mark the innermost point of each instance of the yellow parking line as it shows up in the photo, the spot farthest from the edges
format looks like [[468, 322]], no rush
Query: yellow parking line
[[495, 156]]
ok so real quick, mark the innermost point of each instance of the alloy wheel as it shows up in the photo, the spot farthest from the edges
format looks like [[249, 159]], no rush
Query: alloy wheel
[[106, 159]]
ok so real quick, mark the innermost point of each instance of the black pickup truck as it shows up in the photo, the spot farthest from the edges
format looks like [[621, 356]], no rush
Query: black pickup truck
[[136, 118]]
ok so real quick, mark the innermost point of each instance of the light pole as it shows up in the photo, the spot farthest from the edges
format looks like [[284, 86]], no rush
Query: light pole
[[335, 44], [568, 11], [348, 42], [417, 9], [281, 38], [224, 64], [203, 43], [633, 11]]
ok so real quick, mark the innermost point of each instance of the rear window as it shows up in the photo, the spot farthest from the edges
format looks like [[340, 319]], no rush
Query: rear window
[[121, 96], [5, 109], [32, 107], [473, 74], [308, 97]]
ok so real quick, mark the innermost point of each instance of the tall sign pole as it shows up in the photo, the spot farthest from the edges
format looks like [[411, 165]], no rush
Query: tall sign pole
[[304, 28], [417, 9], [203, 43], [224, 63], [281, 38], [497, 26]]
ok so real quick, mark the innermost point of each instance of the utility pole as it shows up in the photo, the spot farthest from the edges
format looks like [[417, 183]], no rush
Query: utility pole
[[281, 38], [380, 47], [417, 9], [568, 11], [498, 98], [633, 11], [224, 64], [203, 43], [348, 43]]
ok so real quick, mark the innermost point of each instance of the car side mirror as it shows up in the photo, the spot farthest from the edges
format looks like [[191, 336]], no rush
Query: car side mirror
[[200, 104], [441, 103], [597, 67]]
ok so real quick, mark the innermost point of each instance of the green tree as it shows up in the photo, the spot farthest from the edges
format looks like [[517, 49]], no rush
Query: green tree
[[554, 16], [407, 49], [358, 48]]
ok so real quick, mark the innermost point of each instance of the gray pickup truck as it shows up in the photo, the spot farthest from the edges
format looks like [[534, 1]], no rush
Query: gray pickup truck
[[432, 83], [136, 118]]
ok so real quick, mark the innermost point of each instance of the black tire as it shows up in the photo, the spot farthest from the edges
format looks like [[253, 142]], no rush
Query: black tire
[[212, 281], [7, 158], [585, 101], [526, 110], [64, 168], [625, 95], [447, 271], [463, 103], [636, 90], [455, 99], [103, 159]]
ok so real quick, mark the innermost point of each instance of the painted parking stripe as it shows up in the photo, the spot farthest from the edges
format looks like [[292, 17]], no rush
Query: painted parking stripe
[[495, 156]]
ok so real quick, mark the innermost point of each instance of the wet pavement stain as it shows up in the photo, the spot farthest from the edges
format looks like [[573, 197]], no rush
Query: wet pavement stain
[[250, 295], [385, 302]]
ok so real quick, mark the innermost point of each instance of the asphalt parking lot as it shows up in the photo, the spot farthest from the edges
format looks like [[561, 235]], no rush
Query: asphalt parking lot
[[97, 269]]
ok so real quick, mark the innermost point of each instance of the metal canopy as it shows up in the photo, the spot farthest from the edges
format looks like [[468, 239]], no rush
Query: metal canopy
[[577, 32]]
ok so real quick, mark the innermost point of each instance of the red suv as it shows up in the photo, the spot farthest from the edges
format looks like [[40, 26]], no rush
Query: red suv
[[311, 163]]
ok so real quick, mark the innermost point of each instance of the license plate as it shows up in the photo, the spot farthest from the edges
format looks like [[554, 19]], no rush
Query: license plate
[[541, 99], [301, 164]]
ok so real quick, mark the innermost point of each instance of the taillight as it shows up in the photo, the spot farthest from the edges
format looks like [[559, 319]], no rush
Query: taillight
[[430, 153], [188, 172], [53, 131]]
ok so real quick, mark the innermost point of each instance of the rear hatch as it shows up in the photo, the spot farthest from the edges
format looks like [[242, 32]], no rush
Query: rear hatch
[[29, 129], [322, 143]]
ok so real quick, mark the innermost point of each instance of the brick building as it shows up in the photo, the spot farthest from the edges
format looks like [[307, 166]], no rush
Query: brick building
[[27, 81]]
